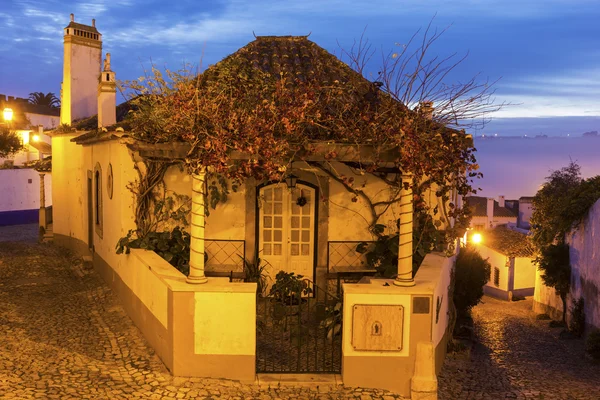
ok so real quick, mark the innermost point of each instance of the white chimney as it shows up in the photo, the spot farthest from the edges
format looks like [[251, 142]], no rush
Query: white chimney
[[490, 212], [501, 201], [107, 96]]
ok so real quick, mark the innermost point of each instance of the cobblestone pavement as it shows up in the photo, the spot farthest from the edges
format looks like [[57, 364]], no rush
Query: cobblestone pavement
[[518, 357], [63, 335]]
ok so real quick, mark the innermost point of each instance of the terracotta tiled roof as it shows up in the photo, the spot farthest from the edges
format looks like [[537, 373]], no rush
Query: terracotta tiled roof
[[509, 242], [478, 207], [295, 56]]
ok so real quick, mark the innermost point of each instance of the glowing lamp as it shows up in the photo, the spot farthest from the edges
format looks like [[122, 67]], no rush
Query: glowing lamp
[[8, 114], [36, 138], [476, 238]]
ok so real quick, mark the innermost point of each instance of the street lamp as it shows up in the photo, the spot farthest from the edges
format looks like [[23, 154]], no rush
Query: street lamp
[[476, 238], [8, 114]]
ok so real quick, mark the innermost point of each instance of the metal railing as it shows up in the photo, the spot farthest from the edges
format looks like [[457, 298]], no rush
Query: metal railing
[[346, 264], [225, 258]]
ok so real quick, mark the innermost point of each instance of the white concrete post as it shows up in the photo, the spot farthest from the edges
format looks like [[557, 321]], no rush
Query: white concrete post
[[42, 215], [405, 245], [197, 231], [423, 385]]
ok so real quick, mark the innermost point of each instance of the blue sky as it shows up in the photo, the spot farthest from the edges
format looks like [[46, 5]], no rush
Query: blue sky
[[546, 52]]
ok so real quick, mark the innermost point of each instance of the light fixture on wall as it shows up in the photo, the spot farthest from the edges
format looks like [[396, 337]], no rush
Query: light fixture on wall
[[291, 180], [8, 114]]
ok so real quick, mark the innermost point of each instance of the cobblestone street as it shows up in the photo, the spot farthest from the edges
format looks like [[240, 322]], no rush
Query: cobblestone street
[[518, 357], [63, 335]]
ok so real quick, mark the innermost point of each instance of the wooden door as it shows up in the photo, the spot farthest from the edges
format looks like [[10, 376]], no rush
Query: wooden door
[[287, 229]]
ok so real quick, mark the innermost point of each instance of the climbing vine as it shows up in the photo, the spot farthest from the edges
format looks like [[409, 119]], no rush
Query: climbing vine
[[243, 121]]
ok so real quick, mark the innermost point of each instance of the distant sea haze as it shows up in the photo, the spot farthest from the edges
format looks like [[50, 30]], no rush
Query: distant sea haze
[[516, 167]]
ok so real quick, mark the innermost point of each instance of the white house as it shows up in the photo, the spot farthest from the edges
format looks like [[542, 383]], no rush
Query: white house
[[205, 324], [510, 254], [488, 213]]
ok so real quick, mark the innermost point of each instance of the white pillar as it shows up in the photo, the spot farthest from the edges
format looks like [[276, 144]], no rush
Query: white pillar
[[405, 242], [197, 230], [42, 215]]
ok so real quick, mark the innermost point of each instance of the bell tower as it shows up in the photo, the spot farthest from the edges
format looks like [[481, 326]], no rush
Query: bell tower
[[81, 68]]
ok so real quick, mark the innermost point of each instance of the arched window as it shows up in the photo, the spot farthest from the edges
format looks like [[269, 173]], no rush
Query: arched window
[[98, 199]]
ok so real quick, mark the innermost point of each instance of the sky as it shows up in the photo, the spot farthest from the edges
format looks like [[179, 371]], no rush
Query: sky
[[546, 53]]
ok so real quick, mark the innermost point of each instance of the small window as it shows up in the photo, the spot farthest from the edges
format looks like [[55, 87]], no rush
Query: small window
[[478, 228], [496, 276], [98, 199]]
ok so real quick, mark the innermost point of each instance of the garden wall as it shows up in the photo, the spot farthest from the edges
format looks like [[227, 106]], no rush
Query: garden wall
[[584, 242], [389, 369]]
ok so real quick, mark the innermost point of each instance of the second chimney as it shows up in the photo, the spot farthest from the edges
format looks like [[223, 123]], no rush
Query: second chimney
[[501, 201], [490, 212]]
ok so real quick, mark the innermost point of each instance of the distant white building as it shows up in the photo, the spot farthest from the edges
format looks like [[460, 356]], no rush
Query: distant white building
[[488, 213]]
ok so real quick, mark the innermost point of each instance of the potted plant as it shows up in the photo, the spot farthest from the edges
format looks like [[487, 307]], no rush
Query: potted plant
[[289, 288], [255, 272]]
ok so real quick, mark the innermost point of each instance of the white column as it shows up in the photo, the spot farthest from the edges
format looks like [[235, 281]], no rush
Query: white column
[[405, 243], [197, 231], [42, 215]]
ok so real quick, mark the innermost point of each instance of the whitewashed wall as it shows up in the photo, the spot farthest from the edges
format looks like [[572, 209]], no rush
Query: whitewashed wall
[[497, 260], [584, 244], [524, 273], [18, 193]]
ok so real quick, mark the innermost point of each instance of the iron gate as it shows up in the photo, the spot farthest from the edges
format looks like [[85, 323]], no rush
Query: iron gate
[[303, 337]]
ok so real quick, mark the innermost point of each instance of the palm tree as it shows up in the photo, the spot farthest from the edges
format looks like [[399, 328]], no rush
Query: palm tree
[[49, 99]]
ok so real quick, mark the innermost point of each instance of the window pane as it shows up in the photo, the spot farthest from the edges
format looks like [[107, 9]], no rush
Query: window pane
[[278, 210], [295, 250], [277, 235], [295, 208], [306, 208], [278, 222], [267, 222], [306, 236], [295, 222], [267, 208], [305, 250], [278, 193], [267, 235], [306, 222], [267, 249], [295, 235], [277, 250], [268, 193]]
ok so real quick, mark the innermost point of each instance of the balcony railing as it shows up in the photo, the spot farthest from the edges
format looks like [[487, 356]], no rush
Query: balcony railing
[[225, 258]]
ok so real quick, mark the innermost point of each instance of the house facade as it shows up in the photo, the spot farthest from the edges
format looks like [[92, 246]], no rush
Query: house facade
[[206, 324], [488, 213], [510, 255]]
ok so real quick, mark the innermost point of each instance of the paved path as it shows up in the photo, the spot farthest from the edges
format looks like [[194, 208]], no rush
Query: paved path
[[63, 335], [518, 357]]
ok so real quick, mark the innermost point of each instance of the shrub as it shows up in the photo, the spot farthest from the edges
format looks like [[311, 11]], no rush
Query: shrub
[[592, 344], [471, 273], [577, 324], [173, 246]]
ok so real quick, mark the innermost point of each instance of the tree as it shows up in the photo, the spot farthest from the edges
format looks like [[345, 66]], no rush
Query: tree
[[414, 77], [471, 273], [554, 262], [550, 205], [10, 142], [49, 99]]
